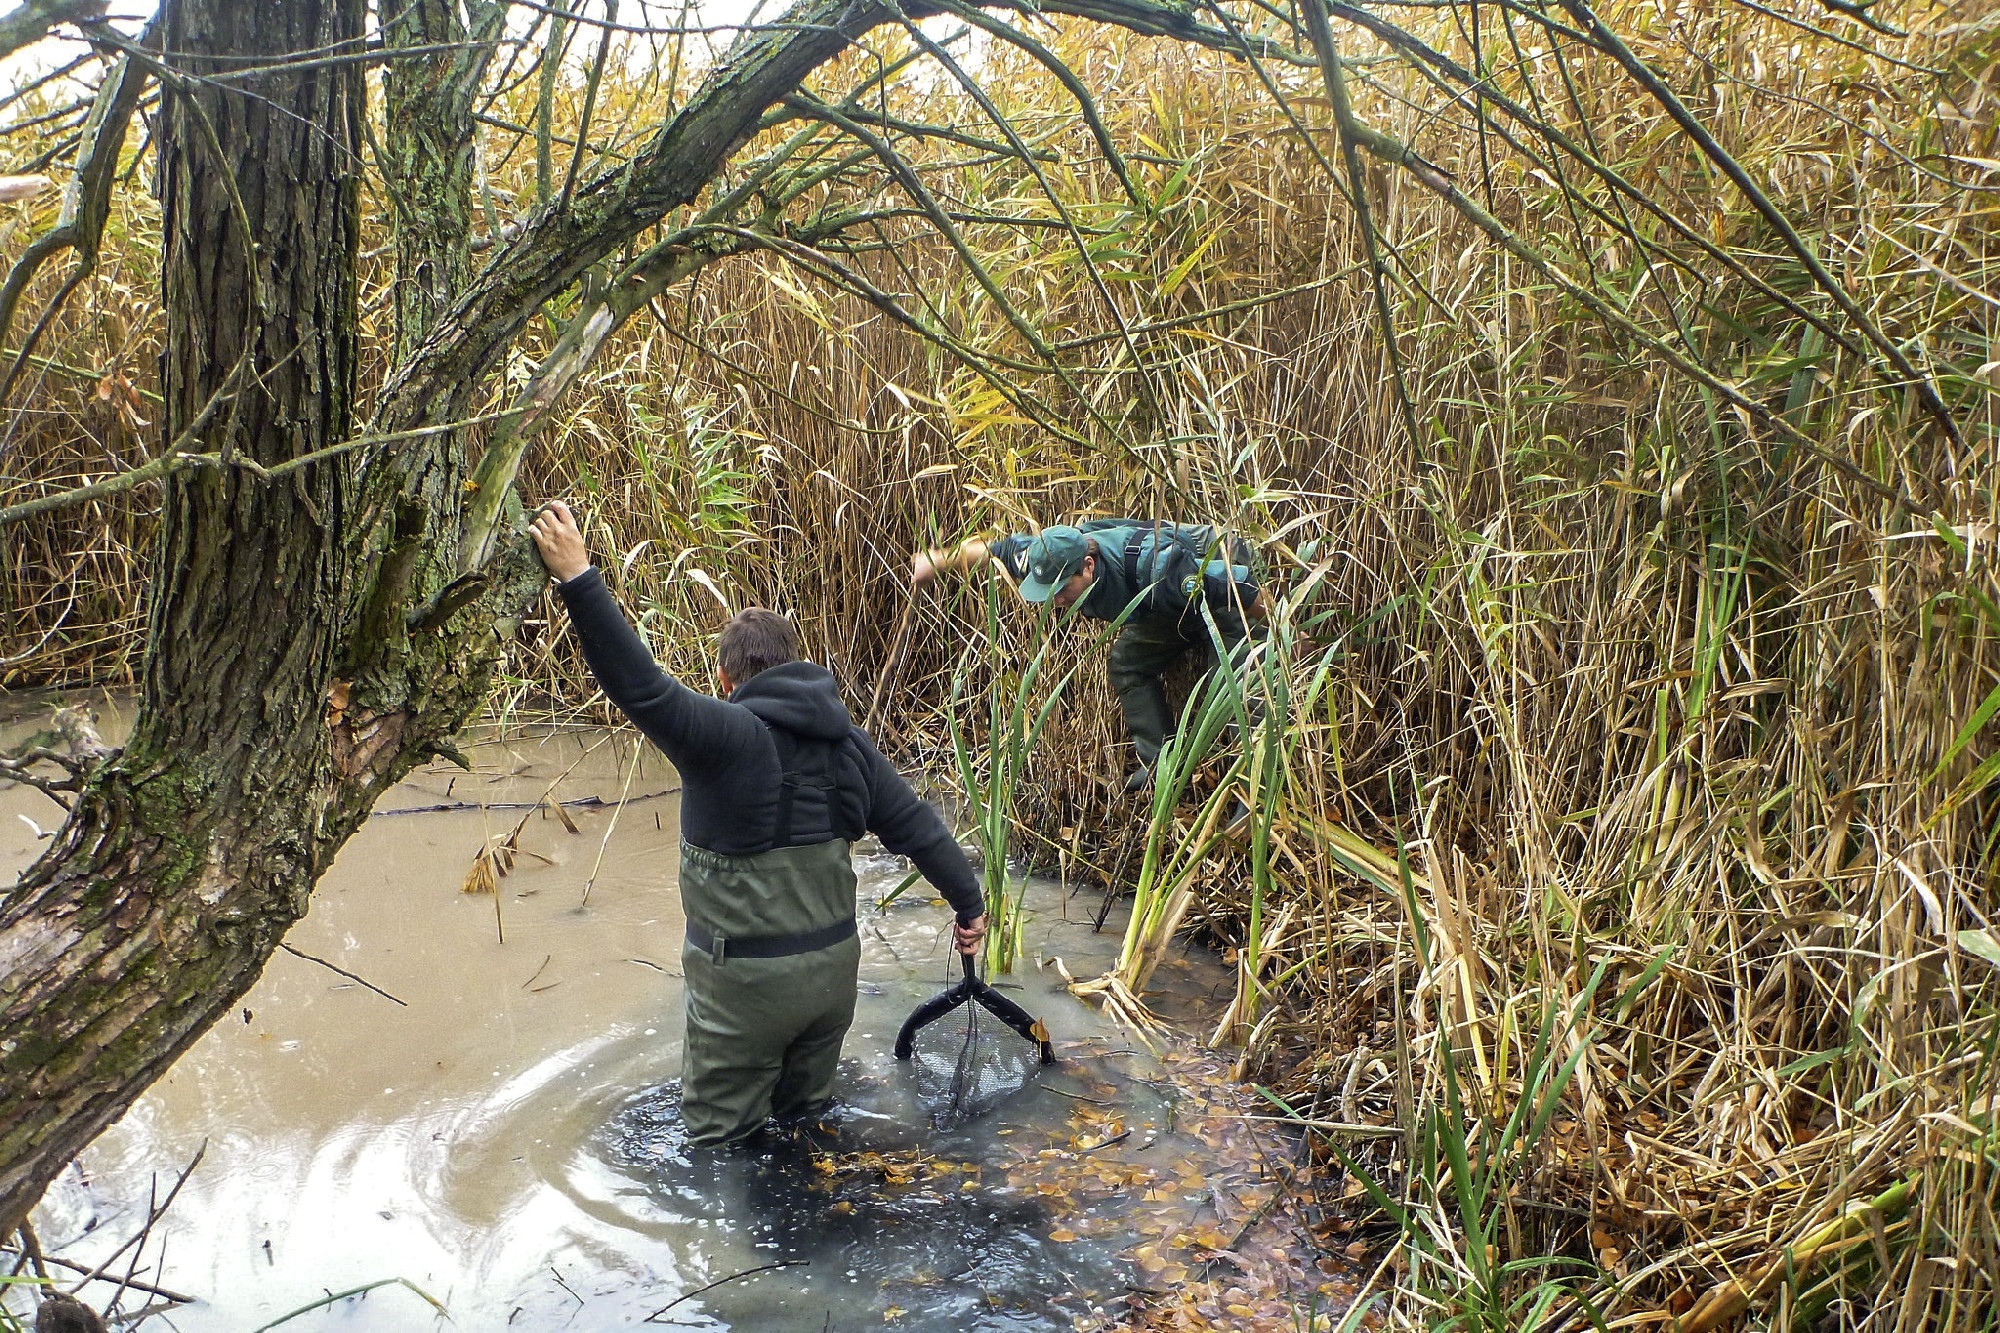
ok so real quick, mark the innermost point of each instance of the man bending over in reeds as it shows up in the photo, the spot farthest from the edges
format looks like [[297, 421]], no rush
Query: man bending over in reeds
[[1165, 572]]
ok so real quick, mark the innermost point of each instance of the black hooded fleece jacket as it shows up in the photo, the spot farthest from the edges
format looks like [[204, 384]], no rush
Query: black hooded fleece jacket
[[729, 764]]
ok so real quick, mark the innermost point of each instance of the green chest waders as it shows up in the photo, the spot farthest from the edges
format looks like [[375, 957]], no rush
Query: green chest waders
[[770, 964], [1148, 646]]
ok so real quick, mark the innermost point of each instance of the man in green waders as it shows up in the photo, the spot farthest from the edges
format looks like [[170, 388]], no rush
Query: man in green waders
[[777, 782], [1171, 570]]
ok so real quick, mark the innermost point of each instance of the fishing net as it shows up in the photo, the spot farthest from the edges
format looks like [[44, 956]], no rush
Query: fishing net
[[971, 1049]]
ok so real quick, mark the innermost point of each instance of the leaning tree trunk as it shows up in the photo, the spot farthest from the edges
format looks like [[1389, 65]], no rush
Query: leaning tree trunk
[[190, 854]]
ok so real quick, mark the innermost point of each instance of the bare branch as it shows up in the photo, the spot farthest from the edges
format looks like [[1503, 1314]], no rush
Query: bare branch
[[679, 161], [1906, 371], [1020, 150], [1389, 150], [168, 464], [1357, 191], [336, 968], [86, 206], [21, 769], [33, 20], [1469, 89], [1079, 92]]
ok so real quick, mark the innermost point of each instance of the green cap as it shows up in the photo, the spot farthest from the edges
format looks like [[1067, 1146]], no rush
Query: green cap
[[1054, 558]]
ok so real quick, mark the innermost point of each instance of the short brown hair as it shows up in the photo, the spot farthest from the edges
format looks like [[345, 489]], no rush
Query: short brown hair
[[755, 640]]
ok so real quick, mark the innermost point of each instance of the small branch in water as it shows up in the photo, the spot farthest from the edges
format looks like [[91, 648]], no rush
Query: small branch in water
[[538, 971], [154, 1212], [1115, 1138], [580, 802], [301, 953], [162, 1292], [31, 1253], [1278, 1195], [638, 748], [690, 1295]]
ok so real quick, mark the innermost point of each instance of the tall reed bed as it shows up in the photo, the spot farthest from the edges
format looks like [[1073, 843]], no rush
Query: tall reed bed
[[1623, 834]]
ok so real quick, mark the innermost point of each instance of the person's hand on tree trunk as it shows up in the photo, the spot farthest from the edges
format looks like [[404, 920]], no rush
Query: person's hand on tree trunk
[[557, 538]]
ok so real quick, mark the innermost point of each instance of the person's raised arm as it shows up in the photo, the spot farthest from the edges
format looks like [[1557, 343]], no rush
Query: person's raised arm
[[928, 564], [692, 728]]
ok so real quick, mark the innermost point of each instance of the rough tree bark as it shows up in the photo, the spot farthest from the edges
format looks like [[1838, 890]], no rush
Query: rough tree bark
[[188, 856]]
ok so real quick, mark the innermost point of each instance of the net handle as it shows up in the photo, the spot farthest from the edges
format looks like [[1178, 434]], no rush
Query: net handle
[[931, 1010]]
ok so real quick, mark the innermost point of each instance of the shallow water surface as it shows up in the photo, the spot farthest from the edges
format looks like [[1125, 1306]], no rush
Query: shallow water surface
[[503, 1133]]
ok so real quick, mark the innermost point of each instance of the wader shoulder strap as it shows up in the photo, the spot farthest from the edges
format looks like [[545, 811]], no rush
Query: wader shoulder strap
[[807, 764]]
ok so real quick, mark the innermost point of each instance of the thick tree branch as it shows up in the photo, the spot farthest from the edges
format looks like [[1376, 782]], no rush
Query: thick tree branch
[[558, 244]]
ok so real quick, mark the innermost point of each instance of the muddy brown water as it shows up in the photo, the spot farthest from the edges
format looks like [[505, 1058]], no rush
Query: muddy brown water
[[503, 1134]]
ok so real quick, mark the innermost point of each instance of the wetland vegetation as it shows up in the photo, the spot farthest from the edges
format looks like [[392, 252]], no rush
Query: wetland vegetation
[[1608, 389]]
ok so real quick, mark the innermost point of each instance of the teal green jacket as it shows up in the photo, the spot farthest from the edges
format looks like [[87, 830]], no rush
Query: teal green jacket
[[1169, 569]]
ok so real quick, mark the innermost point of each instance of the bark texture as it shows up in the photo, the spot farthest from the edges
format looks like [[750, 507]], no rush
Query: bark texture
[[189, 855]]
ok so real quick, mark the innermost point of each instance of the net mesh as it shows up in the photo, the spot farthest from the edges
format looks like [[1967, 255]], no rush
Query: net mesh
[[967, 1062]]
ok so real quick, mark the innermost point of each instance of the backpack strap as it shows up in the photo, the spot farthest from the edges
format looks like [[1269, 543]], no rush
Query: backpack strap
[[1133, 542]]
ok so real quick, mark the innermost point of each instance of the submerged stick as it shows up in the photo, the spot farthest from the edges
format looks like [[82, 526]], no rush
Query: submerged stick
[[624, 794], [154, 1212], [301, 953], [163, 1293], [31, 1253], [690, 1295], [573, 803]]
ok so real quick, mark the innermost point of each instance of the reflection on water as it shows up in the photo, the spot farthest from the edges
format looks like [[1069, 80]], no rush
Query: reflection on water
[[503, 1132]]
